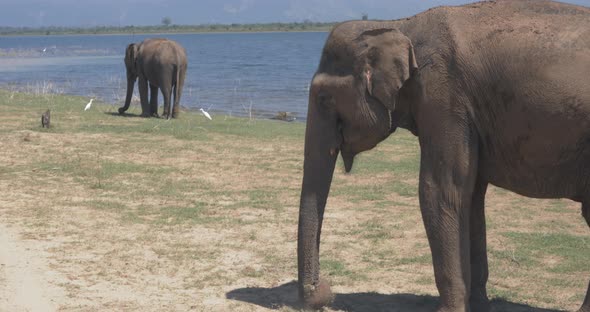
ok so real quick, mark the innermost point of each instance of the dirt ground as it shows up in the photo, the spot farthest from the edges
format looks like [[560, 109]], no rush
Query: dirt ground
[[23, 282], [106, 213]]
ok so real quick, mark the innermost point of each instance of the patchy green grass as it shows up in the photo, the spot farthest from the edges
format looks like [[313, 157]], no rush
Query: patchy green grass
[[568, 250], [334, 268]]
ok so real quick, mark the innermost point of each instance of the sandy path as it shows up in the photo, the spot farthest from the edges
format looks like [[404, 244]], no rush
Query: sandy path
[[24, 284]]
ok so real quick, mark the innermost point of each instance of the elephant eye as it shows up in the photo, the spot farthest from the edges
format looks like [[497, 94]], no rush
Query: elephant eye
[[324, 99], [373, 57], [325, 104]]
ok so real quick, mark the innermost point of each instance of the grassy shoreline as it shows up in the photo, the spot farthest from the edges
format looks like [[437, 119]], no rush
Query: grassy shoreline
[[151, 215], [173, 29]]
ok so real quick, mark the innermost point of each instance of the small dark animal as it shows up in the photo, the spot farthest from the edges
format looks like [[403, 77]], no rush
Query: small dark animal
[[45, 119]]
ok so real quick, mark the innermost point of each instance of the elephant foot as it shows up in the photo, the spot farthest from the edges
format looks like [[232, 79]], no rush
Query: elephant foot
[[442, 308], [145, 115], [452, 310], [121, 110], [480, 306], [317, 296], [479, 303]]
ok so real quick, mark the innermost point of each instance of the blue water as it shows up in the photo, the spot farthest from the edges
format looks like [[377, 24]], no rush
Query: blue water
[[236, 74]]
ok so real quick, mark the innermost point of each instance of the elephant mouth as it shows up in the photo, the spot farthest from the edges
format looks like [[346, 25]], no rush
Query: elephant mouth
[[348, 159]]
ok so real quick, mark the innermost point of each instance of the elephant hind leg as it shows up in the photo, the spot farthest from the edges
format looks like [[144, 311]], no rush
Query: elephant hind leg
[[178, 92], [586, 213], [153, 100], [166, 93], [174, 106]]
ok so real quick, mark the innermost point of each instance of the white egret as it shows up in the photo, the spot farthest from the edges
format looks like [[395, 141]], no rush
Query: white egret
[[206, 114], [88, 105], [44, 49]]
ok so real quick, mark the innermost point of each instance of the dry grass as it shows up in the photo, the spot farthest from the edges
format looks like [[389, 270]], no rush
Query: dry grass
[[152, 215]]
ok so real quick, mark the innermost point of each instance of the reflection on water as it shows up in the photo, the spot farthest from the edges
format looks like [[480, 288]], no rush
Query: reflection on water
[[255, 74]]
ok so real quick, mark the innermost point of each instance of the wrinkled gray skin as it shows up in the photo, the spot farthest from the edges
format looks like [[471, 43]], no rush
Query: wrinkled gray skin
[[157, 63], [497, 92]]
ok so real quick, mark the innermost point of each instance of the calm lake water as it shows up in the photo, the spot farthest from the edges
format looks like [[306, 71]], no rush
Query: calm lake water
[[238, 74]]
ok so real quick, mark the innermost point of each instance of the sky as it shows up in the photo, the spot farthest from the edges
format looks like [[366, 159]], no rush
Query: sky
[[88, 13]]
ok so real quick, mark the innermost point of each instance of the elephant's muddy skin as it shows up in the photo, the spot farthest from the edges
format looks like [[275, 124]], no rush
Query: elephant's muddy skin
[[497, 92], [157, 63]]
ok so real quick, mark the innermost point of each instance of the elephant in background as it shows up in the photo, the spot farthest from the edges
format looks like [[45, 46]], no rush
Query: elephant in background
[[497, 93], [157, 63]]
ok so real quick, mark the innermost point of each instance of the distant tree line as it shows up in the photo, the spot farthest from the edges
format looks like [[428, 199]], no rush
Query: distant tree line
[[166, 27]]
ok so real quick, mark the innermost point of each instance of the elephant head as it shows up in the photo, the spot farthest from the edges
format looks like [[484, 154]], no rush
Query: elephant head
[[131, 67], [356, 100]]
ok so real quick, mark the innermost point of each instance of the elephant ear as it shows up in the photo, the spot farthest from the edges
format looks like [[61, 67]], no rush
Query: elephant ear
[[388, 62], [130, 57]]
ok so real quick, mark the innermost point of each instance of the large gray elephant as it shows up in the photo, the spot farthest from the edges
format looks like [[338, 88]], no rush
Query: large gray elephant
[[497, 92], [157, 63]]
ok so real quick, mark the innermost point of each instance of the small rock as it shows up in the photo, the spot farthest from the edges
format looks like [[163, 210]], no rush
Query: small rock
[[284, 116]]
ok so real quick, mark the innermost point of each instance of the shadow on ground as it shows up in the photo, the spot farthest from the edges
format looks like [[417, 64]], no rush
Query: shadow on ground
[[122, 115], [286, 295]]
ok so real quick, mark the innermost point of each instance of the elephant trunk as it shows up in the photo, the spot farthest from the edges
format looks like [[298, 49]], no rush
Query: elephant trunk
[[321, 150], [130, 85]]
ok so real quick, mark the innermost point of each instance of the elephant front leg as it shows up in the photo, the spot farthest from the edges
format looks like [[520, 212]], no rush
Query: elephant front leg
[[478, 300], [143, 97], [448, 172], [153, 100]]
